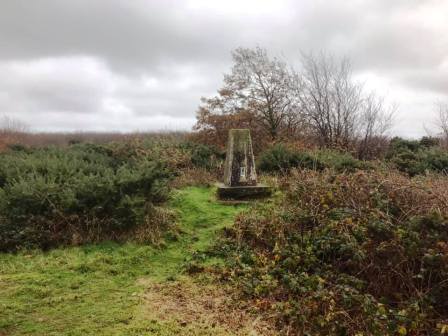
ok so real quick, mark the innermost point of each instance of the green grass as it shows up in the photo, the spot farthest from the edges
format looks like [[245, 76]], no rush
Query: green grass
[[94, 289]]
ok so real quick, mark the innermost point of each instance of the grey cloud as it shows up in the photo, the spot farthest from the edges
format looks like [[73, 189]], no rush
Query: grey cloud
[[117, 64], [435, 81], [71, 85], [129, 34], [66, 91], [375, 34]]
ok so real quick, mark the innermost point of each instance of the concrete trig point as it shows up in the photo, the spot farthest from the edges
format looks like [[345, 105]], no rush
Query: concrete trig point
[[240, 176]]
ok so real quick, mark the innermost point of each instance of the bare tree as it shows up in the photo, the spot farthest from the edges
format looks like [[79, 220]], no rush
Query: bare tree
[[259, 85], [11, 125], [321, 100], [442, 121], [375, 121], [336, 107], [11, 131], [330, 100]]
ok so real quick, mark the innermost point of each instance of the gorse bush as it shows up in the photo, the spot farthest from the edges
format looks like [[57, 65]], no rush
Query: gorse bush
[[340, 161], [346, 254], [86, 192], [417, 157], [55, 196], [428, 141], [281, 158], [203, 156], [179, 155]]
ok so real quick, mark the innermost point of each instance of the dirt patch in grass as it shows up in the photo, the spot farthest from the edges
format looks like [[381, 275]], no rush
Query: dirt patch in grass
[[202, 307]]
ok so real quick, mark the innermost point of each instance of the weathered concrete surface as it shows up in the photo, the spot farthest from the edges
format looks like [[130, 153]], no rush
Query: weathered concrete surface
[[239, 168], [243, 192], [240, 176]]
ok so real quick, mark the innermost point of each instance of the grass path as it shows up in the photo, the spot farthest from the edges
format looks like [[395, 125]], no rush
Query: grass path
[[99, 289]]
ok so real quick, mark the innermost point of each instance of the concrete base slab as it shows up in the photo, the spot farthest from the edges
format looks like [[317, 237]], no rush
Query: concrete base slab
[[243, 192]]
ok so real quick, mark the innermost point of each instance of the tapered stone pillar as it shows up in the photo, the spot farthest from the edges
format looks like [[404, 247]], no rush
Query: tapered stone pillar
[[239, 169], [240, 176]]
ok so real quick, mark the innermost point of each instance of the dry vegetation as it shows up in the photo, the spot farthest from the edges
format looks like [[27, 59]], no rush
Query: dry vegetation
[[353, 243], [202, 308], [442, 122], [11, 131], [348, 253]]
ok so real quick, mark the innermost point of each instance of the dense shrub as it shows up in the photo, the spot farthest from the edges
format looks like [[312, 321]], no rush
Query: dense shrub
[[180, 156], [345, 254], [281, 158], [341, 161], [53, 196], [203, 156], [397, 145], [17, 147], [417, 157], [428, 141]]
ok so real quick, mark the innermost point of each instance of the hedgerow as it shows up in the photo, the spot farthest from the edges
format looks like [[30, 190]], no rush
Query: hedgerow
[[348, 254]]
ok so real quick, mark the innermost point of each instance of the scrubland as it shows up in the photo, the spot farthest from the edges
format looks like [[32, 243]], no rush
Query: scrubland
[[126, 237]]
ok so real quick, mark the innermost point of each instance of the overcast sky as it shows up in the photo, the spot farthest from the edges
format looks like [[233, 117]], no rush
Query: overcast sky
[[131, 65]]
